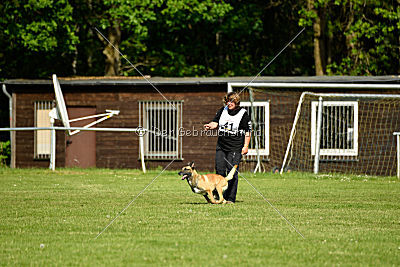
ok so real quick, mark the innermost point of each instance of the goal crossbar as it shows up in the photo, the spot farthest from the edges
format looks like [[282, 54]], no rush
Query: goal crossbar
[[316, 85]]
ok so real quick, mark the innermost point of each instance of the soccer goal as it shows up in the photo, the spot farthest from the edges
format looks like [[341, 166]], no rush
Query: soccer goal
[[346, 133], [355, 133]]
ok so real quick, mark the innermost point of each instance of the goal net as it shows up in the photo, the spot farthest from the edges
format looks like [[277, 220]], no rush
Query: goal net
[[356, 132], [272, 112], [353, 134]]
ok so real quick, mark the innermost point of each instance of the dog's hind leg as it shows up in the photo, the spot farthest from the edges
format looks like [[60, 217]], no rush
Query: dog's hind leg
[[221, 197], [210, 195]]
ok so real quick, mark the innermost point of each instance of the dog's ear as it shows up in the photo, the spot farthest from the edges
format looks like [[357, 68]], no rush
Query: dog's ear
[[191, 165]]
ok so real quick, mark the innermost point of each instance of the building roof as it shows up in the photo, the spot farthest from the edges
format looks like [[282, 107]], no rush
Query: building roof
[[90, 81]]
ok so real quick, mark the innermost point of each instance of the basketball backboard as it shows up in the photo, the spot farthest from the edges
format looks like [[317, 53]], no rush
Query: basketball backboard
[[60, 103], [63, 114]]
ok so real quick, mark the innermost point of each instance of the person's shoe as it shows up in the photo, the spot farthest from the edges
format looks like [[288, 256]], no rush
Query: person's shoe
[[228, 202]]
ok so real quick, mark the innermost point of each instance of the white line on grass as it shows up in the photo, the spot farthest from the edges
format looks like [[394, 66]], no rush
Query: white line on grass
[[133, 200], [116, 49], [268, 201]]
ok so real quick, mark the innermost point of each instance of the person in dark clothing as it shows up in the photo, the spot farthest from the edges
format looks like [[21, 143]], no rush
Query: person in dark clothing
[[234, 133]]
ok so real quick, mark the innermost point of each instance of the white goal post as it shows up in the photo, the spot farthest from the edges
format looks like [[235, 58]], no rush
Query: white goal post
[[397, 134]]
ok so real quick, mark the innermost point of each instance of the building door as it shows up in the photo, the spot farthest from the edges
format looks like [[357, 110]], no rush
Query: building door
[[81, 148]]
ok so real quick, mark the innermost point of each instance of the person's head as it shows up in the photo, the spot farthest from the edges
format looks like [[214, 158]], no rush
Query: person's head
[[232, 100]]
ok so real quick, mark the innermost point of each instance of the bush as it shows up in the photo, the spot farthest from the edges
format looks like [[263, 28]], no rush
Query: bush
[[5, 153]]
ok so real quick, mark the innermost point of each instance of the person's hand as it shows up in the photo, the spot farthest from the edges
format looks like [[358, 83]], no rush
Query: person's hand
[[245, 150], [211, 126]]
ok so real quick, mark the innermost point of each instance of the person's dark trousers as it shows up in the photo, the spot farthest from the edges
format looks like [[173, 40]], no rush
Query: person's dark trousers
[[222, 167]]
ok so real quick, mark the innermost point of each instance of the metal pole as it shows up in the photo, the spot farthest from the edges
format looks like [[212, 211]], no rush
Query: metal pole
[[292, 132], [258, 167], [398, 156], [10, 107], [318, 138], [52, 146], [141, 144], [53, 130], [73, 128]]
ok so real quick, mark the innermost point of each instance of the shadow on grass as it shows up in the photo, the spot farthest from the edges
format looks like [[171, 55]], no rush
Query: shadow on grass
[[194, 203], [205, 203]]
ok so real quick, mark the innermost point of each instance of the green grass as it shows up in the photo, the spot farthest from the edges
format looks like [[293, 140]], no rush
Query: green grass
[[346, 220]]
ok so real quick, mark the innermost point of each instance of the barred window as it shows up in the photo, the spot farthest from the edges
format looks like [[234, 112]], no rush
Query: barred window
[[162, 119], [339, 129], [42, 137], [261, 127]]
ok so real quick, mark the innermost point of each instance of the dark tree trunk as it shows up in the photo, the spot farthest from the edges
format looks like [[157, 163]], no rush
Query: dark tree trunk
[[113, 63], [398, 31], [319, 39], [319, 42]]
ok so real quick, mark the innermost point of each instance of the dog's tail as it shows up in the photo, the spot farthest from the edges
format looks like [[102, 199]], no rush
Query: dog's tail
[[231, 173]]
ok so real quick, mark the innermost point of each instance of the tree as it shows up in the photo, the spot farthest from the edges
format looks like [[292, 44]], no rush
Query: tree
[[41, 31], [183, 40], [128, 23], [118, 17], [239, 41], [366, 36], [372, 40], [198, 38]]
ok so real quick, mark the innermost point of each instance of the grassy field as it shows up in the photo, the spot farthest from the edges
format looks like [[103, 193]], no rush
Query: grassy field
[[52, 218]]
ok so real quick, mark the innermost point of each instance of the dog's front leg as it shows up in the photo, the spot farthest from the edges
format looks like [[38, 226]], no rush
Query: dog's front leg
[[207, 198]]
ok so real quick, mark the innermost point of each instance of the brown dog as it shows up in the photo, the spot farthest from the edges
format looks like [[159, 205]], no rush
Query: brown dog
[[206, 184]]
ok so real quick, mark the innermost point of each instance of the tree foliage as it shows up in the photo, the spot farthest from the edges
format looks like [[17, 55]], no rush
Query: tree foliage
[[198, 38], [355, 37], [35, 31]]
